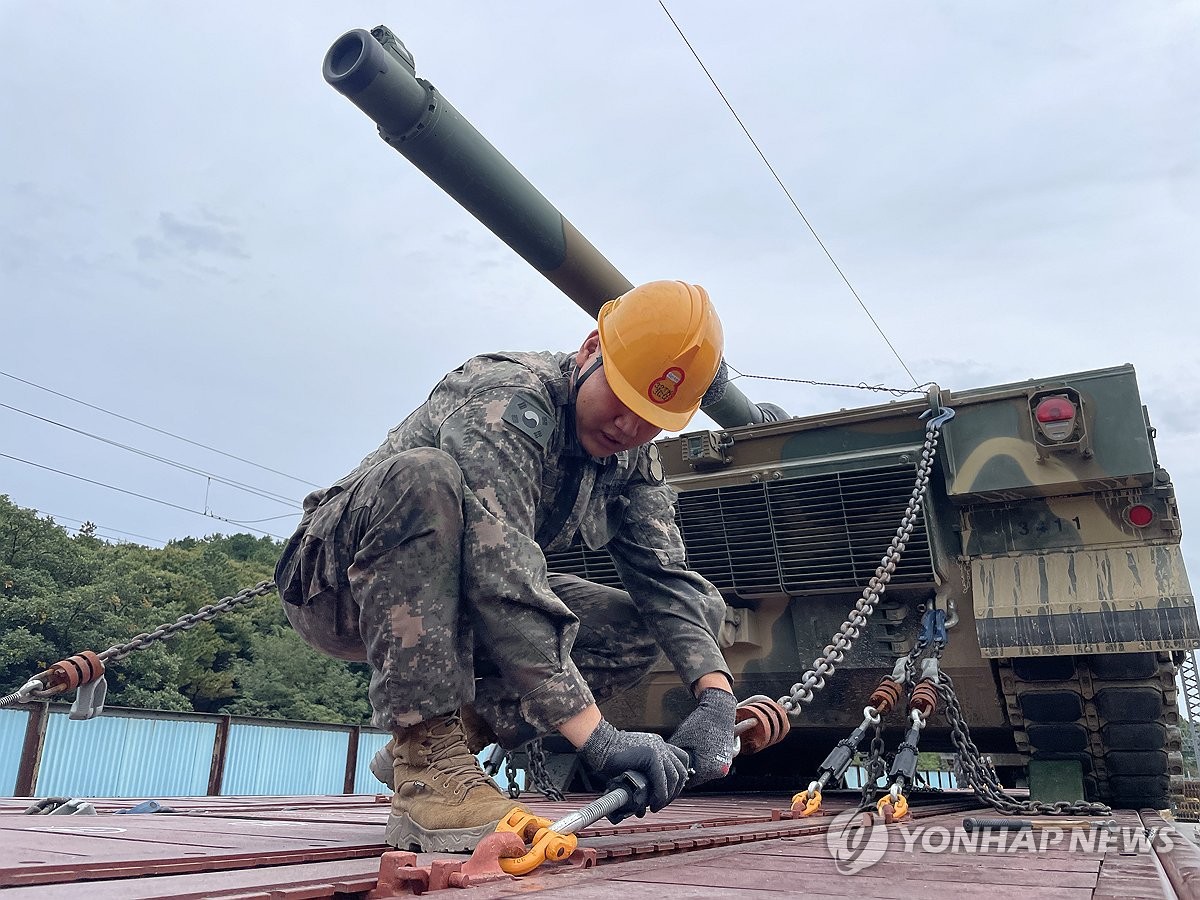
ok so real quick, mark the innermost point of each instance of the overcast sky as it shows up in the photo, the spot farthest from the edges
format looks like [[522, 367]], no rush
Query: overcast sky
[[197, 233]]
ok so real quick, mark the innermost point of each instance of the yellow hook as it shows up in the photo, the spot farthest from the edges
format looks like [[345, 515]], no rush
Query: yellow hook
[[546, 845], [811, 803], [894, 811]]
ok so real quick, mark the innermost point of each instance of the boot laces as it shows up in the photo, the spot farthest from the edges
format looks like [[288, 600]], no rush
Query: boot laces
[[450, 756]]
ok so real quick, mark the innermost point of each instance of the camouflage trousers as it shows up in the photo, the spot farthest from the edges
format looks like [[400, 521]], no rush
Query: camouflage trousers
[[379, 575]]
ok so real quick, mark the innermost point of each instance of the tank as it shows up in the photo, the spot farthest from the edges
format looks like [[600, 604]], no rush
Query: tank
[[1049, 535]]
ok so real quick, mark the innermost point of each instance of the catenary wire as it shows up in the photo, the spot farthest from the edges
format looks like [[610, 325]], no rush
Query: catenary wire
[[99, 527], [108, 535], [268, 519], [207, 515], [788, 193], [104, 533], [266, 495], [159, 430], [861, 386]]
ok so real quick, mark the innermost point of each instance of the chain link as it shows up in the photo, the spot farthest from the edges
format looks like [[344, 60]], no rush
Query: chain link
[[34, 690], [186, 622], [803, 691], [921, 785], [510, 773], [538, 775], [874, 769], [981, 776]]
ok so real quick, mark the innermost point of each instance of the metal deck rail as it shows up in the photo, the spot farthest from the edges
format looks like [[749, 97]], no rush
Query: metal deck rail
[[700, 846]]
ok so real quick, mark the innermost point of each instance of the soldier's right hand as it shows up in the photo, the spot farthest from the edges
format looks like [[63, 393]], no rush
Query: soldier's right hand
[[664, 766]]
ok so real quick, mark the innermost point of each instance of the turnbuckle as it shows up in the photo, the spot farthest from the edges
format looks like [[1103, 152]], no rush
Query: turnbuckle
[[808, 801], [894, 805]]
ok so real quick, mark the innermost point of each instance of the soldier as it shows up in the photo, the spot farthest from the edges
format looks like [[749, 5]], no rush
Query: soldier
[[427, 562]]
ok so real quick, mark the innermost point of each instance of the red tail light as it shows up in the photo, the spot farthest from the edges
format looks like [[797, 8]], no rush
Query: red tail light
[[1056, 418], [1139, 515]]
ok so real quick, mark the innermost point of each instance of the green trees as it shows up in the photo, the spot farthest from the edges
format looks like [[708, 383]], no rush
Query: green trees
[[61, 594]]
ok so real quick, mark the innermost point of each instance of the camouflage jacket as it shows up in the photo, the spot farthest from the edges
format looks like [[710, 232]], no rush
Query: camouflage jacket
[[506, 419]]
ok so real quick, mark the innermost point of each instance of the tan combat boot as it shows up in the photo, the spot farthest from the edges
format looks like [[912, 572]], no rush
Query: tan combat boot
[[479, 736], [443, 799]]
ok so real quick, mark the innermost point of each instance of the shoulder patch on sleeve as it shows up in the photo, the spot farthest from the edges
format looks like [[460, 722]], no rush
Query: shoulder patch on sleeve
[[652, 466], [527, 413]]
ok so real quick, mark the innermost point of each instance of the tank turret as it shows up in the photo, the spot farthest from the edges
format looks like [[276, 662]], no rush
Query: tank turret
[[375, 71]]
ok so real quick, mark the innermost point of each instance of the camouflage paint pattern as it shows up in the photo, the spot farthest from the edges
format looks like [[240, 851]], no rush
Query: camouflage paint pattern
[[1112, 600], [1031, 546], [427, 559], [995, 452]]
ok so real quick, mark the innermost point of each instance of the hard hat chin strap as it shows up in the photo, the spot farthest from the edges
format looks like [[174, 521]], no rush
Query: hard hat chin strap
[[578, 379], [583, 376]]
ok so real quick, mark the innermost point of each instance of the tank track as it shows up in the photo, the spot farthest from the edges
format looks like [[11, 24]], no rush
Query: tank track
[[1114, 712]]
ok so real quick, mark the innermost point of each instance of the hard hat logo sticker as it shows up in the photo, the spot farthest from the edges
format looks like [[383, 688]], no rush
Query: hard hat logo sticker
[[663, 388]]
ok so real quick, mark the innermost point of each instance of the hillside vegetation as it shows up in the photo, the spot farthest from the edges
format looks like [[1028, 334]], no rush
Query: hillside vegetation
[[60, 594]]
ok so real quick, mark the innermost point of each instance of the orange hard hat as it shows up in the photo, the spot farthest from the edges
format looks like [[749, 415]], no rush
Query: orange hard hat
[[662, 344]]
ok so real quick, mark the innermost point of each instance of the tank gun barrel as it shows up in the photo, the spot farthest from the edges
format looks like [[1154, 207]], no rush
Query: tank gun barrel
[[375, 71]]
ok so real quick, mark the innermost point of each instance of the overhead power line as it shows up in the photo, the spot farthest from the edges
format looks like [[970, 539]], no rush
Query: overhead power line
[[861, 386], [82, 522], [111, 487], [105, 534], [266, 495], [177, 437], [787, 193]]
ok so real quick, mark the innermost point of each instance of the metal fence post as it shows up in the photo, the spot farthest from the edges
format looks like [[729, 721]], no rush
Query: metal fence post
[[352, 759], [31, 750], [216, 772]]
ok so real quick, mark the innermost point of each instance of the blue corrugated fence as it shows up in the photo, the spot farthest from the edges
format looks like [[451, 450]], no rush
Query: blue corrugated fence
[[275, 759], [119, 756], [369, 743], [146, 754], [12, 738], [137, 753], [932, 777]]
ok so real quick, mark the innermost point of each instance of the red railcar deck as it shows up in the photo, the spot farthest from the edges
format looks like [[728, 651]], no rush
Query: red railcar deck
[[701, 846]]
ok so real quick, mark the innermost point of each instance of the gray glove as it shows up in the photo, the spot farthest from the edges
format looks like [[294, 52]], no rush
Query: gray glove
[[610, 752], [707, 735]]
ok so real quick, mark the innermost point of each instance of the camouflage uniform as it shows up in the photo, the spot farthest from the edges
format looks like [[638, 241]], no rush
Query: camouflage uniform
[[427, 560]]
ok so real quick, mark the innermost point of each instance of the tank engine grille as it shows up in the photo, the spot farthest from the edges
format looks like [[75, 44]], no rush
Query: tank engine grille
[[813, 534]]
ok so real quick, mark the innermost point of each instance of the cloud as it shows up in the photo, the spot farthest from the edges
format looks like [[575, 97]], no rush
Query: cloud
[[211, 235]]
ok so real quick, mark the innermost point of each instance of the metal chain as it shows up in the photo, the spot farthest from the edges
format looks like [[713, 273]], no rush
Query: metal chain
[[921, 785], [803, 691], [980, 775], [538, 775], [35, 690], [874, 769], [510, 773], [186, 622]]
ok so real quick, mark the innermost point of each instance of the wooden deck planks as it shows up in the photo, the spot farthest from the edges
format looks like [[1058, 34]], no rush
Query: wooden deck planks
[[300, 848]]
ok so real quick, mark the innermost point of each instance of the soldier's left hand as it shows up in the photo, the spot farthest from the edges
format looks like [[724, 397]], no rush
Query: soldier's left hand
[[707, 735]]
